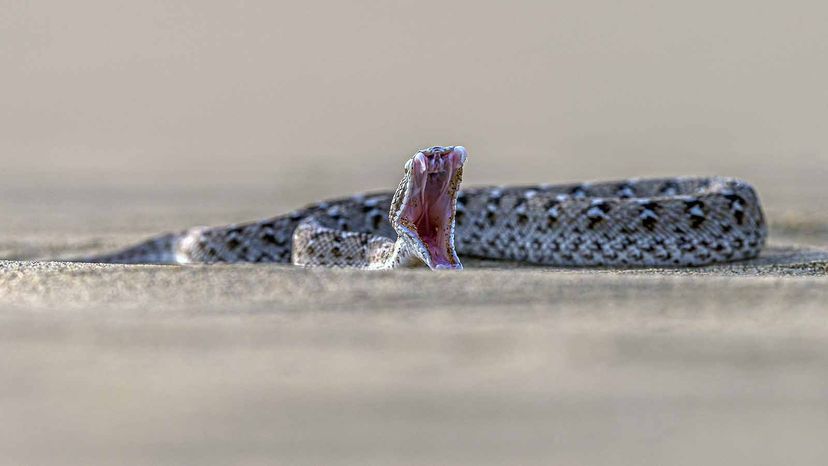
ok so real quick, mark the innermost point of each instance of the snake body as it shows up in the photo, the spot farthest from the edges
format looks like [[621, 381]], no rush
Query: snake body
[[649, 222]]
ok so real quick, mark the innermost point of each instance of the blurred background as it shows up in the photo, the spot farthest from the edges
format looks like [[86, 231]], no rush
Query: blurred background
[[123, 116]]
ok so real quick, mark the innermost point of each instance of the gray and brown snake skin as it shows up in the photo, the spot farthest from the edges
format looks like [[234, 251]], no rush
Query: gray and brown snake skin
[[647, 222]]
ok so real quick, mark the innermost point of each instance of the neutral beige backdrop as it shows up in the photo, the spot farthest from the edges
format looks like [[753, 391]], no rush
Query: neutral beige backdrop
[[191, 92]]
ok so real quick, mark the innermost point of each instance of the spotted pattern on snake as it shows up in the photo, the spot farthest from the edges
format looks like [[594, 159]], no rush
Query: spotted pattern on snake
[[429, 221]]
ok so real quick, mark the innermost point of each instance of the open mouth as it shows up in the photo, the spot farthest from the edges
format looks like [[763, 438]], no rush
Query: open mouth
[[428, 209]]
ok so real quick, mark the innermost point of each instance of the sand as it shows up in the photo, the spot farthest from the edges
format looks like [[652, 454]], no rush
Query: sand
[[499, 364]]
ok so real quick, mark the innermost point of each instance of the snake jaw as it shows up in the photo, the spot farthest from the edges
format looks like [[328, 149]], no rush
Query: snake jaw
[[425, 218]]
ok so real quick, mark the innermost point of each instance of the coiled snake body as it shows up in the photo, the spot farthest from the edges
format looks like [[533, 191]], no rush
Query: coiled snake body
[[651, 222]]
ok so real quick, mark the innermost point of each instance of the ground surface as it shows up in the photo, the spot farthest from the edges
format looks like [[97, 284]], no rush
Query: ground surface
[[498, 364]]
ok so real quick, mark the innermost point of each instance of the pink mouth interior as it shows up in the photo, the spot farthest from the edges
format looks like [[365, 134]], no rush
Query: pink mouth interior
[[429, 208]]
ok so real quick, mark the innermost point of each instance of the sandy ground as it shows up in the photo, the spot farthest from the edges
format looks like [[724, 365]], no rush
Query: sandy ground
[[120, 120], [499, 364]]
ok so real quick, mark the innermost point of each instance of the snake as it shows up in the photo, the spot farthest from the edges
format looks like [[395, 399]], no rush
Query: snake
[[428, 221]]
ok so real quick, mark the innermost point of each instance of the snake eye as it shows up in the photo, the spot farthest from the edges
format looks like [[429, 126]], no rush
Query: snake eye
[[408, 164]]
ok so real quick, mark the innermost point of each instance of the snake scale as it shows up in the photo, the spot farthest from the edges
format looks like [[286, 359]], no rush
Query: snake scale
[[428, 221]]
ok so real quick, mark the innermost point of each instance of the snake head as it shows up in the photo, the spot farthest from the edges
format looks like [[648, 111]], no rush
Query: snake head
[[423, 209]]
